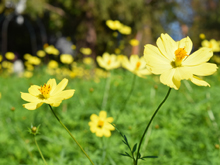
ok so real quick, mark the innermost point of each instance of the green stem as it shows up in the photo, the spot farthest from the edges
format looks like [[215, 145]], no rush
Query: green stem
[[107, 87], [139, 146], [126, 100], [71, 134], [42, 156]]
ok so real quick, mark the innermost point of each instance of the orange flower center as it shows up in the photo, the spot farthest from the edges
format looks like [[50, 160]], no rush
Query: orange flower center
[[138, 64], [45, 90], [180, 54], [210, 45], [100, 123], [109, 62]]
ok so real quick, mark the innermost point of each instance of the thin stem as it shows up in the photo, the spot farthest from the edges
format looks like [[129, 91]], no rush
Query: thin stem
[[139, 146], [70, 134], [42, 156], [107, 87], [126, 100]]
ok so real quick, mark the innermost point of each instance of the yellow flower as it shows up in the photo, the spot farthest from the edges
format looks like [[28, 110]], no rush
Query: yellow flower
[[134, 42], [73, 47], [114, 25], [100, 125], [52, 50], [126, 30], [88, 60], [136, 65], [66, 58], [213, 44], [202, 36], [27, 56], [108, 61], [41, 53], [52, 64], [28, 74], [34, 60], [0, 58], [86, 51], [49, 93], [173, 62], [10, 55]]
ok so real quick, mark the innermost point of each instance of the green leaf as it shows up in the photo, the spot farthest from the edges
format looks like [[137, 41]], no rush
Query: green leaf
[[148, 157], [134, 148], [126, 154]]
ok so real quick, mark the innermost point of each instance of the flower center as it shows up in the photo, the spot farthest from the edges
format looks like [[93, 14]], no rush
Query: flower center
[[180, 54], [210, 45], [100, 123], [138, 64], [109, 62], [45, 90]]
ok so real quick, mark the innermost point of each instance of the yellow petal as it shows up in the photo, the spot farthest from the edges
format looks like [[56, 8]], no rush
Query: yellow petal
[[102, 114], [32, 106], [167, 46], [185, 43], [107, 133], [199, 82], [30, 98], [167, 79], [204, 69], [200, 56], [94, 117], [59, 87], [109, 119], [34, 90], [52, 83], [56, 104], [63, 95]]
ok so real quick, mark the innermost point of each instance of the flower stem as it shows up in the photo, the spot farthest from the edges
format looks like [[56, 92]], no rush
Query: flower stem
[[71, 135], [139, 146], [126, 100], [107, 87], [42, 156]]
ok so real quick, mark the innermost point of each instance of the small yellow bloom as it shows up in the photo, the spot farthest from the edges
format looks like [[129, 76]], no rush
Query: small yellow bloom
[[173, 62], [202, 36], [28, 74], [134, 42], [126, 30], [49, 93], [0, 58], [88, 60], [213, 44], [108, 61], [52, 50], [27, 56], [52, 64], [7, 64], [100, 125], [136, 65], [66, 58], [10, 55], [73, 47], [86, 51], [34, 60], [41, 53], [114, 25]]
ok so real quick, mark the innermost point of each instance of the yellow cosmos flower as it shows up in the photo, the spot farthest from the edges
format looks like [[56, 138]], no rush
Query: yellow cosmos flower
[[114, 25], [136, 65], [86, 51], [108, 61], [126, 30], [52, 50], [100, 125], [173, 62], [41, 53], [28, 74], [10, 55], [66, 58], [134, 42], [213, 44], [34, 60], [202, 36], [49, 93], [52, 64], [88, 61]]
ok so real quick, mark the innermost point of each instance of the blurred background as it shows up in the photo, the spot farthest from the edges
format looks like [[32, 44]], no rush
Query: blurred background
[[27, 25]]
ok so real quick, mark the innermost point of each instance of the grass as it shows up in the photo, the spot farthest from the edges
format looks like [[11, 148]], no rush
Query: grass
[[183, 131]]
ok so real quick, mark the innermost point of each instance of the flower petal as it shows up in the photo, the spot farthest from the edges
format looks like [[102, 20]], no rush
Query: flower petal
[[200, 56], [155, 61], [30, 98], [52, 83], [199, 82], [204, 69], [102, 114], [94, 117], [167, 46], [185, 43], [167, 79], [34, 90], [59, 87], [32, 106]]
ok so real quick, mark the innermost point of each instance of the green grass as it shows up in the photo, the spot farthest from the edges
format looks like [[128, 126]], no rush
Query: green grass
[[181, 134]]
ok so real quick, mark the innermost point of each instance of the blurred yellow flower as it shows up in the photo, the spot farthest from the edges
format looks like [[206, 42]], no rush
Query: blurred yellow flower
[[27, 56], [88, 60], [108, 61], [34, 60], [114, 25], [7, 64], [86, 51], [52, 50], [213, 44], [136, 65], [134, 42], [41, 53], [28, 74], [73, 47], [49, 93], [126, 30], [10, 56], [29, 66], [0, 58], [121, 58], [172, 60], [100, 125], [202, 36], [52, 64], [66, 58]]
